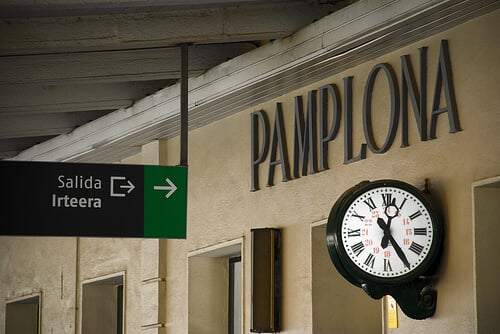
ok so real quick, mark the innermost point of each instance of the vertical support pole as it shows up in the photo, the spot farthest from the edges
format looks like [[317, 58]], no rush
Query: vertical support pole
[[184, 105]]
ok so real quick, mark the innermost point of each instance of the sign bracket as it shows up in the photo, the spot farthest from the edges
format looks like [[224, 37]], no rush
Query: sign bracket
[[184, 106]]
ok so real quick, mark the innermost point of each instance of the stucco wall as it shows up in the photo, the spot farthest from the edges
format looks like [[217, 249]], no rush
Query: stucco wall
[[40, 265]]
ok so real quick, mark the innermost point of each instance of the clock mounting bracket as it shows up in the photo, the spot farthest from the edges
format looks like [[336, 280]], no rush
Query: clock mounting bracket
[[416, 299]]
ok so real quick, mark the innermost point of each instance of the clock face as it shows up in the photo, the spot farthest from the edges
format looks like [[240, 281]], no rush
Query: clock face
[[386, 231]]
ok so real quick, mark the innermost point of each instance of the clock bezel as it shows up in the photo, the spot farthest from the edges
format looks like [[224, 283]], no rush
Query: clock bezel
[[343, 262]]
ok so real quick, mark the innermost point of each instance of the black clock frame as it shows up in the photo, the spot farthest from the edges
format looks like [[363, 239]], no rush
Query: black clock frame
[[410, 290]]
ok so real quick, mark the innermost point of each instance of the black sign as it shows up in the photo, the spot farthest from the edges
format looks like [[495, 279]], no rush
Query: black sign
[[95, 200]]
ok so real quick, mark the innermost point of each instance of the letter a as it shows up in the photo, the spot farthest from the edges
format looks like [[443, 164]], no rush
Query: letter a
[[444, 80], [278, 142]]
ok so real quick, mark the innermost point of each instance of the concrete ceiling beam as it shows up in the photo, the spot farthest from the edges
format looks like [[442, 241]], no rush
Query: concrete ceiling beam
[[156, 28], [113, 66], [43, 125], [72, 97]]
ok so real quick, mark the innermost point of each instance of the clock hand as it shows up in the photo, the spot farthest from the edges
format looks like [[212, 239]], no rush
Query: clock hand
[[381, 224], [385, 240], [387, 232], [398, 250], [387, 229]]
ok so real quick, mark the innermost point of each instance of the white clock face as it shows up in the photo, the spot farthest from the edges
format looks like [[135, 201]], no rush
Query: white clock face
[[387, 232]]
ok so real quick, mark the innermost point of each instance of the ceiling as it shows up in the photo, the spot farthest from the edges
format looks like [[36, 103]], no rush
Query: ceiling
[[65, 63]]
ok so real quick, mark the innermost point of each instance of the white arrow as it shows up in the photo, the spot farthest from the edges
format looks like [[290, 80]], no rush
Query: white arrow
[[115, 189], [130, 186], [171, 188]]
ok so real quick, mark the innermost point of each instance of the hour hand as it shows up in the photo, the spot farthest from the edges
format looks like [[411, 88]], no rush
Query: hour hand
[[387, 232], [381, 223]]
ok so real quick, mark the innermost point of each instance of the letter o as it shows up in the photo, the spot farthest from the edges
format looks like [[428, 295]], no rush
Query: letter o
[[367, 108]]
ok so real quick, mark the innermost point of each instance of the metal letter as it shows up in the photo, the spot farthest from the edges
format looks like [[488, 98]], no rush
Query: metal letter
[[444, 79], [348, 158], [327, 135], [279, 141], [305, 144], [419, 102], [256, 118], [367, 108]]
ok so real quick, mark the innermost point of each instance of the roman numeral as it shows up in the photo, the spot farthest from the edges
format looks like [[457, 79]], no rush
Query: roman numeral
[[358, 248], [416, 248], [387, 265], [387, 198], [370, 260], [354, 233], [355, 214], [420, 231], [415, 215], [402, 203], [370, 203]]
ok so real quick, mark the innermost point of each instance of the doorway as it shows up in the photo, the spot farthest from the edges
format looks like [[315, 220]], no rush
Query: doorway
[[486, 196]]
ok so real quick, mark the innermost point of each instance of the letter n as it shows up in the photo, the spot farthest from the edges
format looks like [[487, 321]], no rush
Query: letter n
[[409, 90]]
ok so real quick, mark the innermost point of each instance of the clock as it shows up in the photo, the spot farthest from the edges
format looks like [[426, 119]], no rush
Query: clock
[[386, 237]]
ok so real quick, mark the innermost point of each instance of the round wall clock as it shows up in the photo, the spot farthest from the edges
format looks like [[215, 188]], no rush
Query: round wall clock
[[386, 237]]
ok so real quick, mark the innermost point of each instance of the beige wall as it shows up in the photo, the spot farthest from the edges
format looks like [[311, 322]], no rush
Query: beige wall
[[40, 265], [335, 299], [221, 207]]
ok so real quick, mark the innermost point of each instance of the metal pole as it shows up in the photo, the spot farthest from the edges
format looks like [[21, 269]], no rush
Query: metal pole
[[184, 105]]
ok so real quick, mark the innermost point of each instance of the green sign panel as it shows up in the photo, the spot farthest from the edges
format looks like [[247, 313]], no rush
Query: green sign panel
[[165, 196], [93, 200]]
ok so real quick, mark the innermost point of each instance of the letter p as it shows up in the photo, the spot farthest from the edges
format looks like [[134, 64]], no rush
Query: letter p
[[258, 120]]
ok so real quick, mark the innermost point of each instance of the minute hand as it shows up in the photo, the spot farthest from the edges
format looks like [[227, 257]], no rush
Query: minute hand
[[398, 250]]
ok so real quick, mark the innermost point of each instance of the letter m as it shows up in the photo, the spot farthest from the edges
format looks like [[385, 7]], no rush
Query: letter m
[[305, 144]]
